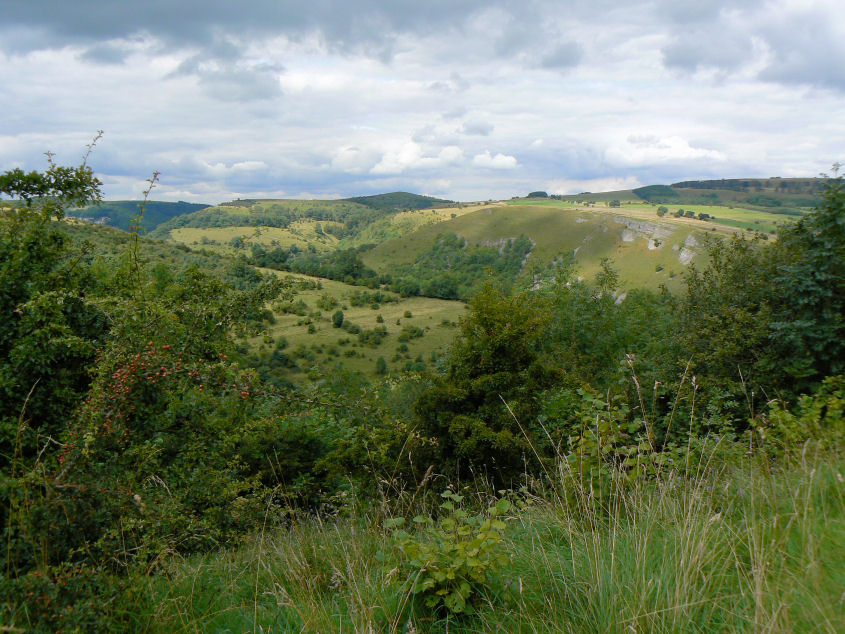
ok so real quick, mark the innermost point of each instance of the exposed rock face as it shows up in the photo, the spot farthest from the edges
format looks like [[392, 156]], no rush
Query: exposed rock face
[[643, 229], [686, 256], [688, 251]]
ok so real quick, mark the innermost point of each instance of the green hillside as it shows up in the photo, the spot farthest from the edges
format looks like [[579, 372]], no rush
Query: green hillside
[[303, 342], [271, 213], [646, 252], [119, 213], [400, 201]]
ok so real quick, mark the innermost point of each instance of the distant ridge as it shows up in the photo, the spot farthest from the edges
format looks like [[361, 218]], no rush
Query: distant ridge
[[403, 201], [119, 213], [787, 194]]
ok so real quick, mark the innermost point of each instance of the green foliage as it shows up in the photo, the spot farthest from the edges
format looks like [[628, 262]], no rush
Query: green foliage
[[372, 337], [410, 332], [50, 325], [400, 201], [120, 213], [760, 318], [381, 366], [337, 319], [478, 411], [122, 408], [808, 325], [820, 416], [326, 302], [656, 193], [452, 560], [452, 269]]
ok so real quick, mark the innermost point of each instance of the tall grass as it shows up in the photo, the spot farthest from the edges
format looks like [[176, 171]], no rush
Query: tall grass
[[742, 547]]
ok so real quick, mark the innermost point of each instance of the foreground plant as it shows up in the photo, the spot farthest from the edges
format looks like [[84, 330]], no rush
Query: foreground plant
[[451, 561]]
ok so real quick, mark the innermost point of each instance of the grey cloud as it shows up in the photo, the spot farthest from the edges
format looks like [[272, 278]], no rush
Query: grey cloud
[[424, 134], [702, 11], [805, 50], [563, 56], [455, 83], [368, 27], [477, 127], [714, 48], [193, 22], [801, 45], [234, 84], [106, 53], [454, 113]]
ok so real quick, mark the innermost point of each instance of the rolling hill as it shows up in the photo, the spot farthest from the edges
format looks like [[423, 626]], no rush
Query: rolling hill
[[119, 213]]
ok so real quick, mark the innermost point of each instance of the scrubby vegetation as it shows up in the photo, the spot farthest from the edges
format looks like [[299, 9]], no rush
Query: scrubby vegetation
[[575, 462]]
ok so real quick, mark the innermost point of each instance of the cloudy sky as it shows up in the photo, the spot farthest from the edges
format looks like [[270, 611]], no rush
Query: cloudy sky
[[464, 99]]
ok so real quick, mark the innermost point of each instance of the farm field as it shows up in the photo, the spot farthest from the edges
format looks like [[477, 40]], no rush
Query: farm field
[[729, 218], [328, 346]]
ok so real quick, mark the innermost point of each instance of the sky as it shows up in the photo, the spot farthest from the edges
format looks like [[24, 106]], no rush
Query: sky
[[459, 99]]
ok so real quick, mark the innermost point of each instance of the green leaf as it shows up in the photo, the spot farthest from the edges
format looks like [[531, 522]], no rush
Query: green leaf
[[503, 505]]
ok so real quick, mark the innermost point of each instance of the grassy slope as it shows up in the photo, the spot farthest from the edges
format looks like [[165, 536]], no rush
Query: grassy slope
[[559, 229], [404, 223], [301, 233], [427, 313], [748, 548]]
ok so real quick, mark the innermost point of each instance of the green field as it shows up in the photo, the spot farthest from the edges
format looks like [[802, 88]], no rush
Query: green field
[[328, 346], [729, 217]]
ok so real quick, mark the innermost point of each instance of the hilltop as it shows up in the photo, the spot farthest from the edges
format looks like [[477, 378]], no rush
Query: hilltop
[[400, 201]]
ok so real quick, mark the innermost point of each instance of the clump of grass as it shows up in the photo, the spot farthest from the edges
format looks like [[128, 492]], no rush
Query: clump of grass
[[743, 546]]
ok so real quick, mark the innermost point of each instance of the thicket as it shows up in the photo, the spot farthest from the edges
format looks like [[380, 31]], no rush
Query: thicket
[[453, 269], [121, 414]]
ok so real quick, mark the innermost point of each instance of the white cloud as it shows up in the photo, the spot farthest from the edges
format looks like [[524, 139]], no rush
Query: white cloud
[[497, 162], [565, 186], [646, 149], [409, 156]]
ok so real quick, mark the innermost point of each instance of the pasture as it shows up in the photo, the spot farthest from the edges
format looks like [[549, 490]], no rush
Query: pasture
[[313, 340]]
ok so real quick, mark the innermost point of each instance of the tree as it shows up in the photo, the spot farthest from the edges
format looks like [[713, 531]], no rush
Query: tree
[[494, 375], [337, 319], [662, 211], [49, 326], [808, 324], [381, 366]]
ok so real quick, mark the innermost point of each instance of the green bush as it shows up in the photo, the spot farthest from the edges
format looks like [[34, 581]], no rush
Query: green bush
[[451, 562]]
